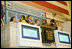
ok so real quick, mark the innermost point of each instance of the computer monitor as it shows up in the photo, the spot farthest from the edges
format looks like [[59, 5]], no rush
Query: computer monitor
[[30, 32], [62, 39], [29, 35]]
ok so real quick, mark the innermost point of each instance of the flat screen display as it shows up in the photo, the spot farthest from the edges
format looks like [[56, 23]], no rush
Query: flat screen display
[[30, 32], [63, 38]]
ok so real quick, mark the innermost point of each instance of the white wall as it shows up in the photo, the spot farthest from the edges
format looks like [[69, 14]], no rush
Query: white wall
[[67, 27]]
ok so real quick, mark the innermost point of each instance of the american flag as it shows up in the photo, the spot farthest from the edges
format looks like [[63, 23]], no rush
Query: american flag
[[60, 6], [2, 16]]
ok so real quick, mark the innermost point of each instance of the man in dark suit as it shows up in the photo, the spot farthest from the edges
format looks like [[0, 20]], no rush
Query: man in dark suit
[[29, 20]]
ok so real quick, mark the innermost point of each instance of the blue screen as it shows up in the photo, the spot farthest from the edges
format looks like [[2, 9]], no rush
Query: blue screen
[[30, 32], [64, 38]]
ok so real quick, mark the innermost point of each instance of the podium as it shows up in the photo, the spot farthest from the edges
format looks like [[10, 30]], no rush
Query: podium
[[9, 37], [47, 33], [62, 39]]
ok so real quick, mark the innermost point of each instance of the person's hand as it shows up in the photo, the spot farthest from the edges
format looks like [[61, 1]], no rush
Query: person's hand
[[17, 21], [31, 21]]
